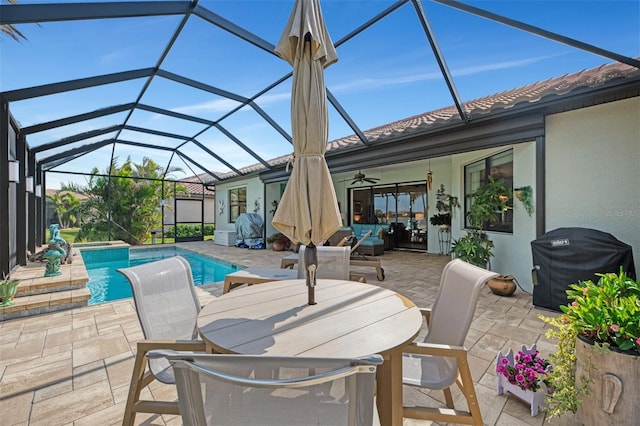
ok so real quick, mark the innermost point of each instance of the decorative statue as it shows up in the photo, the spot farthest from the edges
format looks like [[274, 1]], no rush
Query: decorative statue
[[56, 243], [55, 252]]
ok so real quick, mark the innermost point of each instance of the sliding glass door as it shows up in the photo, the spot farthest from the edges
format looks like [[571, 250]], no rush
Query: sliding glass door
[[402, 207], [411, 216]]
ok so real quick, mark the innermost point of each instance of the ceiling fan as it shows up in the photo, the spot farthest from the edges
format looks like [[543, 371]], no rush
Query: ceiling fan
[[361, 178]]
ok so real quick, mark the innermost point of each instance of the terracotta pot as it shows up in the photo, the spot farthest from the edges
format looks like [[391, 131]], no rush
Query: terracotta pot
[[502, 285], [278, 246], [614, 391]]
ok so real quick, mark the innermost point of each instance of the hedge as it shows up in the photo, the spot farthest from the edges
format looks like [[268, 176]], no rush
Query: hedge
[[189, 230]]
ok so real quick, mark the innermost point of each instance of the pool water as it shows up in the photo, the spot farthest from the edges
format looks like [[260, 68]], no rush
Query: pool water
[[106, 284]]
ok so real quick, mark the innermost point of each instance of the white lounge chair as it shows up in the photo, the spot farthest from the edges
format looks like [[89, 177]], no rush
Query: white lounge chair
[[256, 275]]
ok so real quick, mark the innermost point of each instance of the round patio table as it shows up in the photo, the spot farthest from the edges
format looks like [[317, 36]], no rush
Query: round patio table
[[350, 319]]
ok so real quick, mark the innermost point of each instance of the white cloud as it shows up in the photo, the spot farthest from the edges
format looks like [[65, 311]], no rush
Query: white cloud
[[225, 105], [218, 105], [369, 83], [115, 57], [500, 65]]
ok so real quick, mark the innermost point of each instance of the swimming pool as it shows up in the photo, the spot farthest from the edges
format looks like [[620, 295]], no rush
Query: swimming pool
[[106, 284]]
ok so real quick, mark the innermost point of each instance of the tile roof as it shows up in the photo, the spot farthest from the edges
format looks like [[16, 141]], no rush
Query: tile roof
[[49, 192], [547, 90], [194, 185]]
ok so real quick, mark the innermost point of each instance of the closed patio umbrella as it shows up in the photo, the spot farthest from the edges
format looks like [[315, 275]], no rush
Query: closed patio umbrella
[[308, 212]]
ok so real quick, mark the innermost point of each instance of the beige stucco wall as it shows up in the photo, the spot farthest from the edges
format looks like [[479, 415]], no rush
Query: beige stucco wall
[[272, 193], [593, 170], [255, 192]]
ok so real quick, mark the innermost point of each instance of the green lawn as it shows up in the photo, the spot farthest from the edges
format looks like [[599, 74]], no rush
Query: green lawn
[[69, 235]]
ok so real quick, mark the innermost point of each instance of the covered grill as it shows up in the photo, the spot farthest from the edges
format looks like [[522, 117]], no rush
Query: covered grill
[[567, 255], [249, 231]]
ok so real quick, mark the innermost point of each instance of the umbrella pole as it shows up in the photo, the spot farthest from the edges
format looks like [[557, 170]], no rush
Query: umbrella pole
[[311, 254], [311, 263]]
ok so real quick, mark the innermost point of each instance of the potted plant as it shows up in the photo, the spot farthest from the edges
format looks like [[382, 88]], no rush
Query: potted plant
[[525, 195], [441, 219], [524, 375], [597, 364], [487, 202], [445, 204], [8, 288], [279, 241]]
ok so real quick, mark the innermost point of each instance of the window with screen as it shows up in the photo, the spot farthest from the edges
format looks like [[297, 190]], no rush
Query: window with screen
[[237, 203], [500, 167]]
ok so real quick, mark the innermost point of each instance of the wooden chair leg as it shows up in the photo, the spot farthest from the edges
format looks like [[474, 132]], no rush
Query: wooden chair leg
[[448, 398], [468, 390], [138, 381], [378, 266]]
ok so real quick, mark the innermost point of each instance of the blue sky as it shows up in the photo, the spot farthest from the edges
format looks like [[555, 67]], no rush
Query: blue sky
[[386, 73]]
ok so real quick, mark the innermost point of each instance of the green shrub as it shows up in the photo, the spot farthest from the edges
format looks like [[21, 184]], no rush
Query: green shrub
[[188, 230], [209, 228]]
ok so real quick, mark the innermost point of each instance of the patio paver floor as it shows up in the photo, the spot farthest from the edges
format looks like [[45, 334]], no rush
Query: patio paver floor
[[73, 367]]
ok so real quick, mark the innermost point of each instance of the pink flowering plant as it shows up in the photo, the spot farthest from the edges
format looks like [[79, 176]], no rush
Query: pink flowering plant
[[606, 313], [526, 370]]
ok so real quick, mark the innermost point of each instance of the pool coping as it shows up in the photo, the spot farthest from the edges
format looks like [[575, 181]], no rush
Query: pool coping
[[37, 294]]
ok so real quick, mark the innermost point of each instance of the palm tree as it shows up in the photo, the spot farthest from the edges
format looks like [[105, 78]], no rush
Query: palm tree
[[126, 205], [66, 206], [10, 30]]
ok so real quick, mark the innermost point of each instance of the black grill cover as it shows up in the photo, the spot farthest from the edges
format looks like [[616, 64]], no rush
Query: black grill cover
[[565, 256]]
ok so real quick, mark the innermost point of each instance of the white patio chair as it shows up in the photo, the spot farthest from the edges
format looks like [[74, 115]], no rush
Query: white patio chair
[[240, 390], [333, 263], [355, 259], [441, 359], [167, 307]]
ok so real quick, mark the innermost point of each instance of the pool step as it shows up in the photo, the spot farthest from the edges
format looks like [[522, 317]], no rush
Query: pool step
[[25, 306], [37, 294]]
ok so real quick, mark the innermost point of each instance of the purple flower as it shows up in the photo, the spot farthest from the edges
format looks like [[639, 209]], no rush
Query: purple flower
[[526, 371]]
